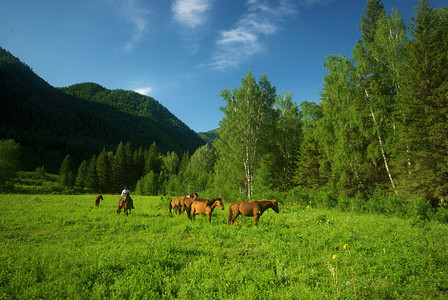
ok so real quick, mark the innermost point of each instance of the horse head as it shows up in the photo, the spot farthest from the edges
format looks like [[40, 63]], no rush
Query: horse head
[[274, 205], [220, 204]]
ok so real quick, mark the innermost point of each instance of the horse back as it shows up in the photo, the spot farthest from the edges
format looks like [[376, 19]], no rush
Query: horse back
[[244, 208]]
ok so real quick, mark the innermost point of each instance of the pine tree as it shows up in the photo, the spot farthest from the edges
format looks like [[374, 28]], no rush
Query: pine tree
[[66, 176], [424, 96], [120, 167], [81, 176], [152, 162], [92, 176], [288, 137], [105, 173], [308, 172], [139, 164]]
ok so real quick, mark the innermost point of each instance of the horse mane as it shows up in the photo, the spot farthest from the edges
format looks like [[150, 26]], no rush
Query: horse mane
[[210, 203]]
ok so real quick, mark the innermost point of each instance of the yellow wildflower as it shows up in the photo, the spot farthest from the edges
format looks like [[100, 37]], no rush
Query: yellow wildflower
[[346, 247], [334, 256]]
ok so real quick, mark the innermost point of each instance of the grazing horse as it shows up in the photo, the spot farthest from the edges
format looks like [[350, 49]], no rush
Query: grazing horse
[[253, 208], [199, 207], [176, 205], [97, 200], [126, 204], [186, 201]]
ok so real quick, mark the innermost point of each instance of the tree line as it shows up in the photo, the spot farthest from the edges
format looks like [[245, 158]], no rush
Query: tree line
[[380, 127]]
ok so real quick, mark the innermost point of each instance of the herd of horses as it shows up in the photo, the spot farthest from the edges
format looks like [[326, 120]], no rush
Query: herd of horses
[[192, 205]]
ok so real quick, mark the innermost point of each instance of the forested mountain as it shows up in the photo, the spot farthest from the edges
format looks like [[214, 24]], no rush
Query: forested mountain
[[209, 136], [80, 120]]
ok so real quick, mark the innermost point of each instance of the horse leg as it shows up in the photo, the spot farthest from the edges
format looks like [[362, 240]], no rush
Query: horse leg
[[229, 218], [234, 218], [256, 218]]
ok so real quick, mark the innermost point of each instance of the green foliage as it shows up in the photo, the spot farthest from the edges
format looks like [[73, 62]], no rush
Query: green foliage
[[383, 114], [245, 131], [37, 182], [9, 160], [64, 247], [66, 176]]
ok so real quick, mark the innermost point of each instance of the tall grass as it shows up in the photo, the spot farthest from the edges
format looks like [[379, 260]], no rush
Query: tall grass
[[56, 246]]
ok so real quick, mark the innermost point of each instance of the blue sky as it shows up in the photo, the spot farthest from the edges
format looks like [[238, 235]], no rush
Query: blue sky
[[184, 53]]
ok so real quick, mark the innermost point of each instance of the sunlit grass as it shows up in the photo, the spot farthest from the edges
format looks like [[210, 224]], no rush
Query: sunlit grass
[[56, 246]]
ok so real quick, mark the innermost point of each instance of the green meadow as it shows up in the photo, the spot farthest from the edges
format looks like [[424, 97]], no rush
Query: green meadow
[[61, 246]]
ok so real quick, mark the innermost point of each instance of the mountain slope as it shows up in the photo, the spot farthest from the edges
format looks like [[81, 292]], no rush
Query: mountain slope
[[80, 120], [210, 136]]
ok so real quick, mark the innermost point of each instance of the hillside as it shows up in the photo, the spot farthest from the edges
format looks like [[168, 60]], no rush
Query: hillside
[[80, 120], [210, 136]]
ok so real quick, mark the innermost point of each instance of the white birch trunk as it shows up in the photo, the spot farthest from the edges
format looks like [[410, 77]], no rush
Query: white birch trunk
[[380, 141]]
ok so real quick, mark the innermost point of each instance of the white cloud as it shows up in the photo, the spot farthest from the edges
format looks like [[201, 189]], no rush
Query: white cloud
[[135, 14], [244, 40], [144, 91], [191, 13], [238, 35]]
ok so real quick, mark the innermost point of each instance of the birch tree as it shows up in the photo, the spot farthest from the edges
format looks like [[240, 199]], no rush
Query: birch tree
[[244, 131], [376, 55]]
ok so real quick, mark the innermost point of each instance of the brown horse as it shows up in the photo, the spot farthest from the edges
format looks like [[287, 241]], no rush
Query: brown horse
[[253, 208], [199, 207], [125, 203], [97, 200], [175, 204], [185, 202]]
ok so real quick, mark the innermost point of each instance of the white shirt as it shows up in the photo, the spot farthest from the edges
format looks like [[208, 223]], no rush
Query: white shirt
[[124, 192]]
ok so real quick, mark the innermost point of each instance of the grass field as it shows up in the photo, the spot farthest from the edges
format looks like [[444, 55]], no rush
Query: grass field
[[57, 246]]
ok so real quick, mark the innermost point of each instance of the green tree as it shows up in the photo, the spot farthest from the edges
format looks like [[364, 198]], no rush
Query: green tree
[[377, 57], [104, 171], [309, 173], [244, 132], [92, 176], [340, 131], [288, 138], [171, 163], [121, 165], [200, 169], [425, 102], [202, 160], [184, 161], [66, 176], [139, 164], [152, 162], [9, 160], [81, 176]]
